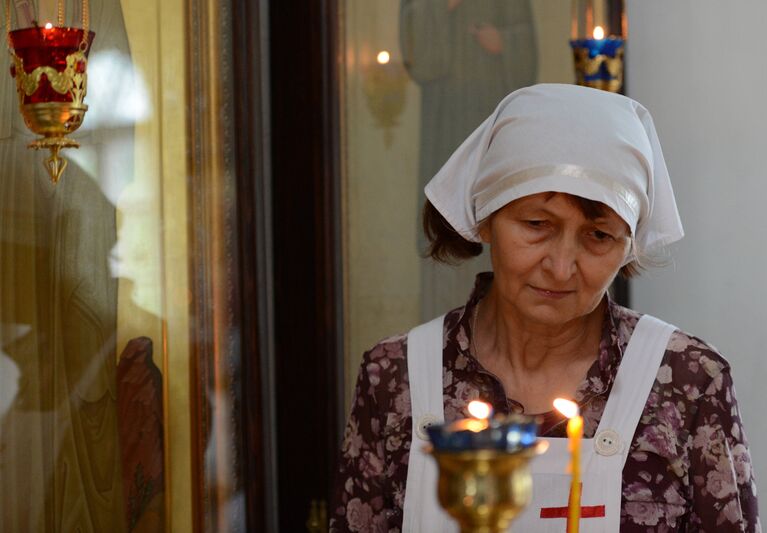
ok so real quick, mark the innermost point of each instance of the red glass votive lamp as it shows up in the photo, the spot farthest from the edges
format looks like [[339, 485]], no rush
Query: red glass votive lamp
[[49, 65], [48, 47]]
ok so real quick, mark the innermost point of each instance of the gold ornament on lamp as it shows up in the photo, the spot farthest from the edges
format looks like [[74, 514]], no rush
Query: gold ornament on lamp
[[49, 63]]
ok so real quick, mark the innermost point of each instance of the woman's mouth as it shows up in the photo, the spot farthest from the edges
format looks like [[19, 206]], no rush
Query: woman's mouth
[[551, 294]]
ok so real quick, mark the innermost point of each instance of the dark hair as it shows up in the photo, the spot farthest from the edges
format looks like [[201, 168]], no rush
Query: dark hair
[[445, 244], [448, 246]]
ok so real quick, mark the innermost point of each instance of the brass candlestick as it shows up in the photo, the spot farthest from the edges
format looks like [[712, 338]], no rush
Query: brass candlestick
[[484, 490]]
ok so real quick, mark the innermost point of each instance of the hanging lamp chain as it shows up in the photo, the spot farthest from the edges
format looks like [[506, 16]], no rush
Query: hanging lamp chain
[[8, 22], [85, 16]]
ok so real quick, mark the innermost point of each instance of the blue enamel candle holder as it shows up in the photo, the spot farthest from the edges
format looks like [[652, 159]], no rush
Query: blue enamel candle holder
[[509, 434], [599, 62]]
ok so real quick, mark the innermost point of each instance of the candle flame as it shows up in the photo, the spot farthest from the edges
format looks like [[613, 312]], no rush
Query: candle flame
[[476, 426], [469, 424], [48, 26], [566, 407], [383, 57], [599, 32], [479, 409]]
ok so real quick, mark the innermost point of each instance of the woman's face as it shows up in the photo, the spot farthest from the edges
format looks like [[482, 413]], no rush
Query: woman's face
[[551, 263]]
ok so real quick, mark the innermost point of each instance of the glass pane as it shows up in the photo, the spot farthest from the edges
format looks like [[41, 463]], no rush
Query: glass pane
[[420, 75], [94, 408]]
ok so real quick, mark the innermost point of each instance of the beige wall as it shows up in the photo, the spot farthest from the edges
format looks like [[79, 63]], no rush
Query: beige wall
[[380, 205], [555, 59]]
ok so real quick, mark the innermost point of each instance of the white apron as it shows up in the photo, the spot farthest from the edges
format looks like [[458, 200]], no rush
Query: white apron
[[602, 458]]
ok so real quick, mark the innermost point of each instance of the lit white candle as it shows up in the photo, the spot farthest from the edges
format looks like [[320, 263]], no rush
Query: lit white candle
[[574, 436]]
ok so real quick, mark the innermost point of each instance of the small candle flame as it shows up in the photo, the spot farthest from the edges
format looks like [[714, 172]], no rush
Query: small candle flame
[[48, 26], [383, 57], [599, 33], [476, 426], [469, 424], [566, 407], [479, 409]]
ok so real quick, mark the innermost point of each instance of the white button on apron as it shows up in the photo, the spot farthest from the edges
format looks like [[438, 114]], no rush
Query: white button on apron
[[424, 423], [607, 442], [602, 458]]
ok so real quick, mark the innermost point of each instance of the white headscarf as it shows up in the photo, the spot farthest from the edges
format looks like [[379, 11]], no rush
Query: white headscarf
[[562, 138]]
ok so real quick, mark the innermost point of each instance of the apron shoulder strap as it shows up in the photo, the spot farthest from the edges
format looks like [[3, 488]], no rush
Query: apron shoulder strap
[[424, 368], [633, 383], [421, 510]]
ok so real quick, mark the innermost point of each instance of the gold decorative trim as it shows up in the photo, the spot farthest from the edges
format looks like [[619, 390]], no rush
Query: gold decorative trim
[[73, 80], [214, 332], [588, 66]]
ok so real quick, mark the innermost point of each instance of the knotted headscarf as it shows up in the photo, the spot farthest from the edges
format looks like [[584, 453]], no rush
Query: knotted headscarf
[[562, 138]]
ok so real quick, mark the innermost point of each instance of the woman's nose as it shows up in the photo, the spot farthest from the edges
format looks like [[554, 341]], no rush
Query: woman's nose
[[560, 259]]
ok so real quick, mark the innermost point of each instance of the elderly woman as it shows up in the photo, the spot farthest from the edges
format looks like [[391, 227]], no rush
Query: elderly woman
[[568, 187]]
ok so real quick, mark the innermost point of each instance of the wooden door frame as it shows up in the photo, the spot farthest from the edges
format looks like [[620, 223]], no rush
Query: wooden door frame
[[250, 54], [307, 252], [266, 370], [232, 381]]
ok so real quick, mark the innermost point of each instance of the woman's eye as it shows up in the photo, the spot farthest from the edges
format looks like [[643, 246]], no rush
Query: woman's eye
[[601, 236], [536, 223]]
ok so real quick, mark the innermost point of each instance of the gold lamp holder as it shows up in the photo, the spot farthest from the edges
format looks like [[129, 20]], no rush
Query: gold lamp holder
[[484, 490], [51, 100]]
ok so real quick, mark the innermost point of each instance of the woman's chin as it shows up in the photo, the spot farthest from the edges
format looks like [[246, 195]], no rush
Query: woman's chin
[[549, 315]]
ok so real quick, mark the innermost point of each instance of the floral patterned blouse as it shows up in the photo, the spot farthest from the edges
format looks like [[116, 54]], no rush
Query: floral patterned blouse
[[689, 468]]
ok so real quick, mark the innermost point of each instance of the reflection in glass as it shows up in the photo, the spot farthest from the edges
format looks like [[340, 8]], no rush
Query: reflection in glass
[[81, 435]]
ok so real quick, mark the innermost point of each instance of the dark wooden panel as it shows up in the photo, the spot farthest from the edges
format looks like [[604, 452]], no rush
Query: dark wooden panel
[[251, 138], [306, 252]]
